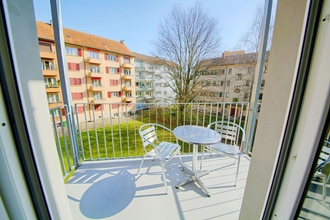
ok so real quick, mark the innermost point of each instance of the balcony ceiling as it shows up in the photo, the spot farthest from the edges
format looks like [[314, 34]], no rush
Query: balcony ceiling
[[111, 189]]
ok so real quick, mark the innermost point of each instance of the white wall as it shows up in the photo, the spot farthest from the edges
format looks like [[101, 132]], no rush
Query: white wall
[[282, 67]]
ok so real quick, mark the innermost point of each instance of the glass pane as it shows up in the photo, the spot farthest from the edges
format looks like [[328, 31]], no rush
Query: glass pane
[[316, 203]]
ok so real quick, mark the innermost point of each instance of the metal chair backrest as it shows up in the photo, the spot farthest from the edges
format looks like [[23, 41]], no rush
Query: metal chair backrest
[[148, 135], [230, 132]]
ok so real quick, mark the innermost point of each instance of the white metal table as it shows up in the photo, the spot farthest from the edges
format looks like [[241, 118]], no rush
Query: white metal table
[[196, 135]]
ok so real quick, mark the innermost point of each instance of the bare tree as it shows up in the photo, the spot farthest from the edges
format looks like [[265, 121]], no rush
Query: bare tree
[[250, 41], [185, 39]]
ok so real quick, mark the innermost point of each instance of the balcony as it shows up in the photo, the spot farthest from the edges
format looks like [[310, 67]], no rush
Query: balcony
[[95, 88], [146, 69], [53, 88], [127, 65], [93, 60], [94, 75], [144, 79], [127, 88], [50, 72], [103, 188], [47, 55], [128, 77]]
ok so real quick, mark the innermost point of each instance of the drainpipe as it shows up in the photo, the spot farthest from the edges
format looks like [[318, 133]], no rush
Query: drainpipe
[[86, 78]]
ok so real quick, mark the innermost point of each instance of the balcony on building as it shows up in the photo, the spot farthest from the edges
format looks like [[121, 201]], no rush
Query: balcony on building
[[96, 88], [93, 60], [126, 76], [95, 75], [47, 55], [56, 88], [127, 88], [127, 65]]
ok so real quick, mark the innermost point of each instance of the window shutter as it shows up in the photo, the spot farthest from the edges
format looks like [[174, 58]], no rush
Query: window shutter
[[79, 81], [117, 58], [69, 66], [63, 111], [118, 70], [109, 94], [119, 93], [107, 69], [79, 52], [77, 66], [106, 56]]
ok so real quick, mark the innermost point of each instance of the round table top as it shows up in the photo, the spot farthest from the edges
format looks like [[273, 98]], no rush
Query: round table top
[[196, 134]]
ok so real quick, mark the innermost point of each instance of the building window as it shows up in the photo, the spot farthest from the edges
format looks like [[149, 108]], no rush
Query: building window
[[94, 69], [227, 94], [215, 83], [110, 57], [221, 83], [97, 95], [73, 51], [75, 81], [127, 72], [235, 99], [115, 106], [247, 83], [250, 70], [228, 82], [127, 83], [77, 95], [229, 71], [246, 96], [237, 88], [94, 54], [96, 82], [73, 66], [114, 82], [111, 70], [263, 83], [223, 71], [238, 76], [53, 98], [56, 112], [47, 65], [127, 60], [220, 94], [128, 94], [45, 47], [114, 94], [50, 82]]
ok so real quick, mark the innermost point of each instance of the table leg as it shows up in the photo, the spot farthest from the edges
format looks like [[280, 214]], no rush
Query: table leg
[[194, 174]]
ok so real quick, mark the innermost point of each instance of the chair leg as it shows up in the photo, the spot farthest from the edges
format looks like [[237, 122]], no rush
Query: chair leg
[[324, 190], [164, 177], [181, 162], [237, 170], [140, 165], [202, 158]]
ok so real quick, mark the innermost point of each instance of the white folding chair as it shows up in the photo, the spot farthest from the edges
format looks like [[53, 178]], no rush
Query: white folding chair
[[162, 150], [231, 144]]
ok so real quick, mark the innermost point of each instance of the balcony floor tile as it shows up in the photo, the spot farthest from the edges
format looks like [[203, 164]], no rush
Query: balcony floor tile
[[112, 190]]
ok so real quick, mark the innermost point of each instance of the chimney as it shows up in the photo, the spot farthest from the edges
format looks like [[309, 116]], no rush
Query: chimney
[[122, 41]]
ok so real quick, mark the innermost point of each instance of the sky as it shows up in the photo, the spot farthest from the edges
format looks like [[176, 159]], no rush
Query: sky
[[136, 21]]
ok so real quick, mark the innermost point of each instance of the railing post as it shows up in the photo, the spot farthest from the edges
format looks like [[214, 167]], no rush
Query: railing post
[[258, 77], [63, 70]]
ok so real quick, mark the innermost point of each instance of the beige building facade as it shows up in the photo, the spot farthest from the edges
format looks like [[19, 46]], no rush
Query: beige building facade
[[101, 73]]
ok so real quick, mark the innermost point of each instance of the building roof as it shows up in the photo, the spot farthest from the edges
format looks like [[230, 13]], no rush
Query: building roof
[[45, 32], [239, 58], [145, 58]]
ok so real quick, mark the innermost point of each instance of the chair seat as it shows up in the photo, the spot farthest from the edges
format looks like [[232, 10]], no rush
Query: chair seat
[[225, 148], [165, 149]]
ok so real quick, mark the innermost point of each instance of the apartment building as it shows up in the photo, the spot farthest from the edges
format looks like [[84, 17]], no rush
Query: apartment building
[[231, 78], [152, 81], [100, 71]]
